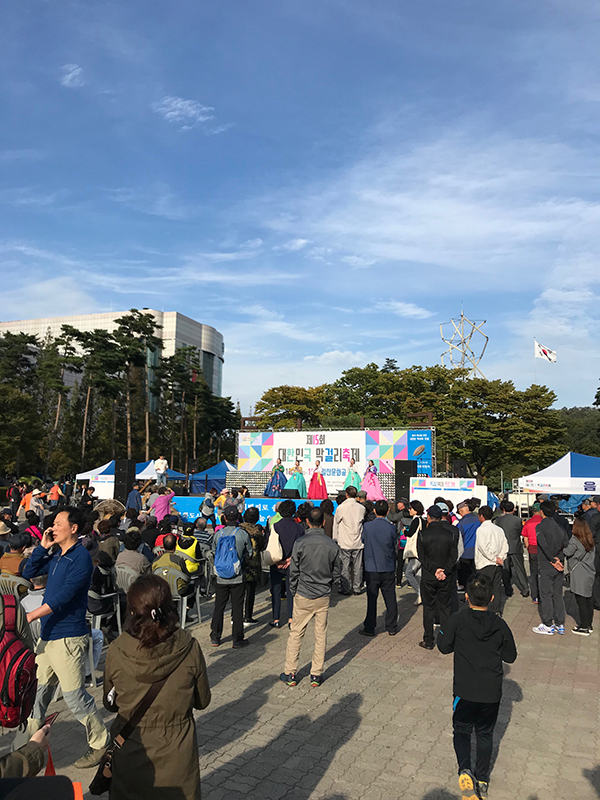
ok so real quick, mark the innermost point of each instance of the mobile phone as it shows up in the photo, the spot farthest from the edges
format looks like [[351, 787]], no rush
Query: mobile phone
[[49, 533], [51, 719]]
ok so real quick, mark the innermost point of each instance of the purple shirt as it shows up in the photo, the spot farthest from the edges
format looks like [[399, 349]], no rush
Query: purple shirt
[[161, 505]]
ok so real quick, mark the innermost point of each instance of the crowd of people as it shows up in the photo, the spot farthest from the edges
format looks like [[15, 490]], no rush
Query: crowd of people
[[467, 558]]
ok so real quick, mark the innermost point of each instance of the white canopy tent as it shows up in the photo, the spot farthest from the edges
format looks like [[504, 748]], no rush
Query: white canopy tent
[[571, 474], [102, 479]]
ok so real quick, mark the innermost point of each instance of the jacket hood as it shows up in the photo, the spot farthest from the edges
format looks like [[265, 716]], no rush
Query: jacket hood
[[485, 624], [152, 665]]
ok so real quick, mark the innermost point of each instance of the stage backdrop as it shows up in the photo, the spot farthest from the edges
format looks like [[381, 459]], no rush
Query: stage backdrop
[[258, 452]]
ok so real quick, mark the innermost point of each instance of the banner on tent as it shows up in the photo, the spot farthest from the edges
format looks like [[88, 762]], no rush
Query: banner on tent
[[560, 485], [258, 451]]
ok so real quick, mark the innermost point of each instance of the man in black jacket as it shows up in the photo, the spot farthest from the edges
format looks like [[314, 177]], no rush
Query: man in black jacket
[[551, 540], [438, 552], [591, 514]]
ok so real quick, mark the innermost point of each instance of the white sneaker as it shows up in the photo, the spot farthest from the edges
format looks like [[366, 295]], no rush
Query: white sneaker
[[544, 629]]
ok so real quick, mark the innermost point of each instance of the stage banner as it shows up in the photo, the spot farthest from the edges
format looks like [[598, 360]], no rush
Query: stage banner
[[455, 489], [258, 451]]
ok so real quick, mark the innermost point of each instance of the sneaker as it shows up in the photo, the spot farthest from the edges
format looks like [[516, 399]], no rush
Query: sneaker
[[316, 680], [240, 644], [215, 642], [560, 629], [91, 758], [544, 629], [466, 784], [288, 679], [581, 631], [482, 788], [88, 681]]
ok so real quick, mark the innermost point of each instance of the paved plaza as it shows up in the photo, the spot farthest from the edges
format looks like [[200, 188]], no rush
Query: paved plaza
[[379, 728]]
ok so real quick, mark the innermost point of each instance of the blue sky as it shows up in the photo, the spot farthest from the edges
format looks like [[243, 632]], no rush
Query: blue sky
[[324, 181]]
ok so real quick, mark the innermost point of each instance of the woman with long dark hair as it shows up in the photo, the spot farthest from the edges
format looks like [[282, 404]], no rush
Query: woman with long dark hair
[[160, 758], [581, 554], [413, 565]]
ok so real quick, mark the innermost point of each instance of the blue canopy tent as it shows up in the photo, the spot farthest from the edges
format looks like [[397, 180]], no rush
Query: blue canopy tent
[[571, 474], [213, 478]]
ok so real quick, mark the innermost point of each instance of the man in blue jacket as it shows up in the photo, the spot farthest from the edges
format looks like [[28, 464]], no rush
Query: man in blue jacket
[[63, 643], [468, 529], [379, 538]]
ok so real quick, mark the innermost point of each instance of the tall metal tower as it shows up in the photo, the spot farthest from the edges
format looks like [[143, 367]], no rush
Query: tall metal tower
[[461, 334]]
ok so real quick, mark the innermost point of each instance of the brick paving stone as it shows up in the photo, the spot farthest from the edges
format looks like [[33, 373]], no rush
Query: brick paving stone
[[379, 727]]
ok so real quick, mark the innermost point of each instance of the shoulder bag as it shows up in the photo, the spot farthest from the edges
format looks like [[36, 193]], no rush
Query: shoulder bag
[[103, 777], [273, 553], [410, 548]]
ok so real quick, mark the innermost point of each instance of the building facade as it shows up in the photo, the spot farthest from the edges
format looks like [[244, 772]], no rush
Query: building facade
[[176, 330]]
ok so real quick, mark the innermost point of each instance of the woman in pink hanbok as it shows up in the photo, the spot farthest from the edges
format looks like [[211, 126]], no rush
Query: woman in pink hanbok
[[370, 484]]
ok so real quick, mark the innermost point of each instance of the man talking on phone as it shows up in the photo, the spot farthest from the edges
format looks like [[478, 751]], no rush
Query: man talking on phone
[[60, 652]]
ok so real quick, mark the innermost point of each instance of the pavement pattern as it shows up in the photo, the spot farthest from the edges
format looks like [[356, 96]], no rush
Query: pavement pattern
[[379, 728]]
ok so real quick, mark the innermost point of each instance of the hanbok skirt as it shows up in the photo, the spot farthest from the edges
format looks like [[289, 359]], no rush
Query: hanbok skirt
[[276, 484], [297, 482], [352, 479], [317, 490], [370, 484]]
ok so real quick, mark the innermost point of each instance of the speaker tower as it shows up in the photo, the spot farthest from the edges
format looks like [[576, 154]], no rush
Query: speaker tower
[[124, 478], [404, 471]]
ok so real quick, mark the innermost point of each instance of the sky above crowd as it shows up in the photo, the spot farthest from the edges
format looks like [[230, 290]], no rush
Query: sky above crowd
[[323, 181]]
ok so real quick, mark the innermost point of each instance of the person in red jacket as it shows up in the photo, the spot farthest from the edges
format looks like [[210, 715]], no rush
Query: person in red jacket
[[530, 535]]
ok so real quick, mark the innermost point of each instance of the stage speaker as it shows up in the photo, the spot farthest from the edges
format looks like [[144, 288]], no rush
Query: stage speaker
[[124, 478], [290, 494], [403, 472], [459, 468]]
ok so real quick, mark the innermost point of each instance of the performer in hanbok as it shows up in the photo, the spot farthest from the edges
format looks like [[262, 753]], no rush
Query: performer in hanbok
[[352, 478], [317, 489], [277, 481], [370, 484], [296, 481]]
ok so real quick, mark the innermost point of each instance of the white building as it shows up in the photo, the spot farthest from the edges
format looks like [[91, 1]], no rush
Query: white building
[[176, 330]]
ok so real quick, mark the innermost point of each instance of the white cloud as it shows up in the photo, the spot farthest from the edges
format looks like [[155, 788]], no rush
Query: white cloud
[[342, 359], [55, 297], [293, 245], [253, 244], [26, 196], [72, 76], [157, 200], [409, 310], [185, 113]]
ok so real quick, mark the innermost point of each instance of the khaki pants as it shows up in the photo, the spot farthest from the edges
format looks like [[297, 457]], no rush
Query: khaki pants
[[63, 661], [304, 611]]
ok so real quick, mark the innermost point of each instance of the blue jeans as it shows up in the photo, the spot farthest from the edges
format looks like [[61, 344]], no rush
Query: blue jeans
[[161, 480]]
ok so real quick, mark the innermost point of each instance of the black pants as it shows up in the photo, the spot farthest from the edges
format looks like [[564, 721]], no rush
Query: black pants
[[466, 567], [437, 599], [385, 582], [495, 575], [235, 591], [596, 589], [482, 717], [513, 571], [586, 611], [278, 576], [250, 595], [454, 604], [399, 566], [534, 587], [552, 605], [14, 509]]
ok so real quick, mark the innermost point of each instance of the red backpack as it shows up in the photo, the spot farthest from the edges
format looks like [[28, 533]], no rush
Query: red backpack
[[18, 682]]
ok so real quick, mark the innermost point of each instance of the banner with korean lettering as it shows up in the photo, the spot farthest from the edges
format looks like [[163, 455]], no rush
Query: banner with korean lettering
[[259, 451]]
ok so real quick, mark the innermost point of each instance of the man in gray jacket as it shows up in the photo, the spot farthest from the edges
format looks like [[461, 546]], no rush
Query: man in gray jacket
[[231, 587], [347, 532], [513, 570], [315, 565]]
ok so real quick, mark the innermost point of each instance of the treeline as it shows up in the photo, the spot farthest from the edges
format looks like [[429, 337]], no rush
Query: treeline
[[76, 401], [489, 423]]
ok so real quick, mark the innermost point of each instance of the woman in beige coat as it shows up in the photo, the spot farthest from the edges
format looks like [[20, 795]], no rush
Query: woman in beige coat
[[159, 761]]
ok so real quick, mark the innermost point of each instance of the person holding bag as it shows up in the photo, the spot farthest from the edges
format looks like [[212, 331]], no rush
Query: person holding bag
[[411, 557], [159, 670]]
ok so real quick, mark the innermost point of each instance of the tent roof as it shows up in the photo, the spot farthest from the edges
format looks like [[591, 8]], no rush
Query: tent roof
[[145, 469], [571, 465], [218, 471], [105, 469]]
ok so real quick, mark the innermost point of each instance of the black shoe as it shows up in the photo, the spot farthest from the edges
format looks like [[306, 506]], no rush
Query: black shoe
[[277, 624], [527, 594], [363, 632], [241, 643], [288, 678], [215, 642], [359, 592], [426, 646], [250, 621], [88, 681], [316, 680], [393, 633]]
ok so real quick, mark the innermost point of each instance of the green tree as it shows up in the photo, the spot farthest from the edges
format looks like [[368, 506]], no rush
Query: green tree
[[281, 406]]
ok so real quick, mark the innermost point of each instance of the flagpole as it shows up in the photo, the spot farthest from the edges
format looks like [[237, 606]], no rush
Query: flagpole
[[534, 362]]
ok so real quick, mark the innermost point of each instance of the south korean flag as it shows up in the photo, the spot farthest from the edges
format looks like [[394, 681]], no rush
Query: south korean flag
[[543, 352]]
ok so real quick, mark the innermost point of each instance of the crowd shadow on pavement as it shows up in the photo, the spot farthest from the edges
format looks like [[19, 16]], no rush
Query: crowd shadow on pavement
[[440, 794], [511, 694], [298, 756], [223, 661], [593, 776]]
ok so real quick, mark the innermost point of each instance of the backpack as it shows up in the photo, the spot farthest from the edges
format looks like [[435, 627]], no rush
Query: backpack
[[18, 682], [227, 562]]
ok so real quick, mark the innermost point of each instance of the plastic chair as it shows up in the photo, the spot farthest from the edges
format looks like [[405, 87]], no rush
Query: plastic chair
[[158, 552], [125, 577], [172, 577], [9, 584], [96, 618]]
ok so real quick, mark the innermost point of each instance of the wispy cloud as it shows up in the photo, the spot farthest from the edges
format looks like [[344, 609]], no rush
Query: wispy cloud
[[27, 196], [409, 310], [72, 76], [341, 359], [293, 245], [25, 154], [157, 200], [185, 113]]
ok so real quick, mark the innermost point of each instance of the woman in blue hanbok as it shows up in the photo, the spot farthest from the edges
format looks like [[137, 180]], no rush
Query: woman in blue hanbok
[[352, 478], [296, 481], [277, 481]]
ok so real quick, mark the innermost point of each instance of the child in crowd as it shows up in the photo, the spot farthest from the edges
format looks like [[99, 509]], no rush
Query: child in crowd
[[481, 641]]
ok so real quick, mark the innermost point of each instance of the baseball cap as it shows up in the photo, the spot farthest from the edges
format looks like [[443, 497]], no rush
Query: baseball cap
[[443, 508], [231, 512], [435, 512]]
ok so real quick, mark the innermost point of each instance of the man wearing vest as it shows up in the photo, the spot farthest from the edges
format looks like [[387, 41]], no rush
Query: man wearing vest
[[63, 644], [231, 587]]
